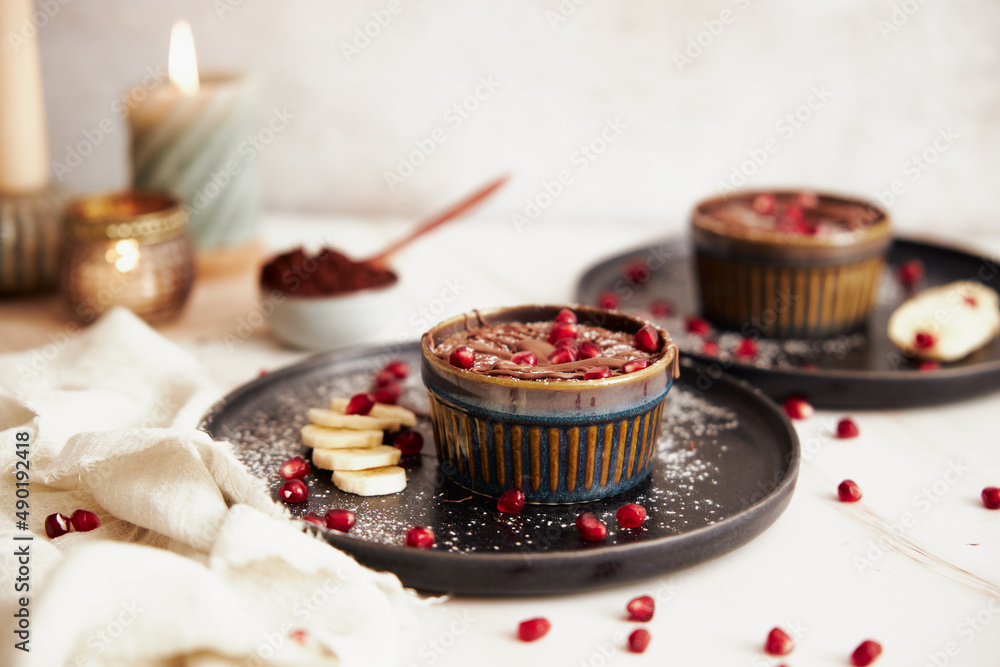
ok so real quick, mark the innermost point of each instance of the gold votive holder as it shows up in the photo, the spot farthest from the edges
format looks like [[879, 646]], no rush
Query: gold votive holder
[[128, 249]]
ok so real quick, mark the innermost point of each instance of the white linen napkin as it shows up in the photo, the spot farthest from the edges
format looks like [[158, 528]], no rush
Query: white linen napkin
[[193, 563]]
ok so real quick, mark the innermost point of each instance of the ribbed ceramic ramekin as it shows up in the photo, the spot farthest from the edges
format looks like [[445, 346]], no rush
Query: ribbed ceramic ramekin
[[559, 441], [783, 285]]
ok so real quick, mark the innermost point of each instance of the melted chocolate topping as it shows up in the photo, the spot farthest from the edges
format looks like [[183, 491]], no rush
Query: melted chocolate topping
[[496, 344], [826, 217]]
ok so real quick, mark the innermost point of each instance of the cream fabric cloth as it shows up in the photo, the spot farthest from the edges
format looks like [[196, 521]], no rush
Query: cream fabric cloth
[[193, 563]]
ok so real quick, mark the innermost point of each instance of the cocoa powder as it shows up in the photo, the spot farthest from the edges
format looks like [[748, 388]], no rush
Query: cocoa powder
[[326, 273]]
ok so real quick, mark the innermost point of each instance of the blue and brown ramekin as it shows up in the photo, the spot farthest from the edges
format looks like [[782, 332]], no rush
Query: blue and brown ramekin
[[558, 441], [787, 285]]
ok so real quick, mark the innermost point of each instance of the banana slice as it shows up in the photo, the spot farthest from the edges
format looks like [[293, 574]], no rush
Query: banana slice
[[322, 437], [380, 411], [359, 458], [332, 419], [946, 323], [372, 482]]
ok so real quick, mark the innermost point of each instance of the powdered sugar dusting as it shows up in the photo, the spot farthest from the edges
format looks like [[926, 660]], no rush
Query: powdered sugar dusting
[[695, 479]]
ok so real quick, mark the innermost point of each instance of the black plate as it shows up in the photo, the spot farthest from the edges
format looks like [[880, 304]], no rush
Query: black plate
[[725, 470], [861, 371]]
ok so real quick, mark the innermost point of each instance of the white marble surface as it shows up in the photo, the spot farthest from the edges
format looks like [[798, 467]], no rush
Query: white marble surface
[[833, 573], [893, 75]]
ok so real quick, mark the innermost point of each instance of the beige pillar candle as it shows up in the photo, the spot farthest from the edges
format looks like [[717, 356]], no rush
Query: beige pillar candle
[[24, 148]]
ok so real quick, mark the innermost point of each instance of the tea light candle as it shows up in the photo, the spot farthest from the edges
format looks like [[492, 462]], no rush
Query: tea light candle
[[127, 249], [190, 136]]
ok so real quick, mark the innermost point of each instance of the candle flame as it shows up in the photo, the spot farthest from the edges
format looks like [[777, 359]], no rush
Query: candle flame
[[182, 64], [124, 256]]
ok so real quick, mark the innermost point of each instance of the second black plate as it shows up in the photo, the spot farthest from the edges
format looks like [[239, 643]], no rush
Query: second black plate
[[861, 371]]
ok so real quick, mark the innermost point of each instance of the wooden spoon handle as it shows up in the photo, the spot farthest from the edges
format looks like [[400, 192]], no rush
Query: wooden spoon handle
[[453, 212]]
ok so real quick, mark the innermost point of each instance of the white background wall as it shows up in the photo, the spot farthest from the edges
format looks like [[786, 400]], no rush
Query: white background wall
[[560, 78]]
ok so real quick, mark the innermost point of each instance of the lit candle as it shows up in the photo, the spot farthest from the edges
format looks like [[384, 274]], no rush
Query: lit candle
[[190, 136], [24, 148], [127, 249]]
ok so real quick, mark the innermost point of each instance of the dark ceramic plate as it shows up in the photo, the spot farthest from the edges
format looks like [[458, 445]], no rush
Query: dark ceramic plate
[[724, 471], [859, 371]]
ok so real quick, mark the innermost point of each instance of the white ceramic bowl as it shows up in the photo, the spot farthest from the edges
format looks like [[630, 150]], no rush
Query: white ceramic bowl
[[322, 323]]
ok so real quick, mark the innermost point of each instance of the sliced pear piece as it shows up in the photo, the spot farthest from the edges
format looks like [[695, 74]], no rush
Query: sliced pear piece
[[371, 482], [946, 323]]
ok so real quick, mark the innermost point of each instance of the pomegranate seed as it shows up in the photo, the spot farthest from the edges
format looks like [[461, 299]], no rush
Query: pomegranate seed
[[387, 395], [384, 378], [463, 357], [294, 468], [764, 203], [697, 326], [991, 498], [562, 355], [262, 372], [589, 350], [562, 330], [848, 492], [398, 368], [778, 642], [631, 515], [342, 520], [591, 528], [661, 308], [597, 373], [607, 301], [409, 442], [809, 367], [634, 365], [711, 348], [866, 653], [638, 640], [360, 404], [511, 502], [532, 629], [923, 341], [568, 342], [747, 349], [56, 525], [420, 537], [647, 339], [294, 491], [910, 273], [846, 428], [798, 408], [525, 358], [807, 199], [298, 636], [312, 518], [970, 301], [638, 273], [641, 608], [929, 365], [567, 316], [84, 521], [795, 214]]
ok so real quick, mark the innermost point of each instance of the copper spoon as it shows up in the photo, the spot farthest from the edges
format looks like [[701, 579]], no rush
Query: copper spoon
[[459, 209]]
